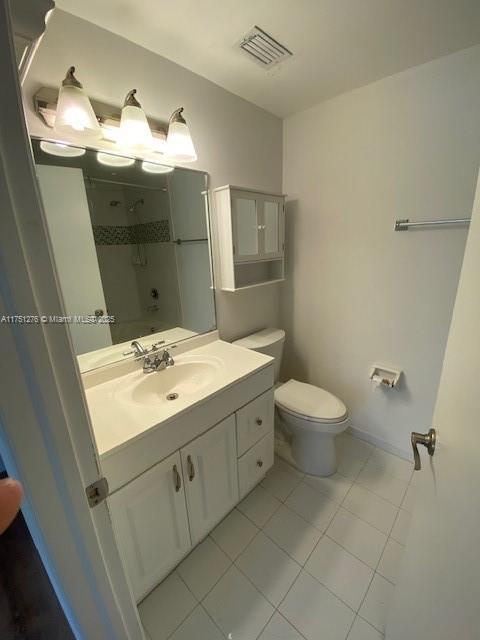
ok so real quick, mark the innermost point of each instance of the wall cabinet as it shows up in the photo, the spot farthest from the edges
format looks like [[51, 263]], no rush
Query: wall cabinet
[[248, 229], [162, 513]]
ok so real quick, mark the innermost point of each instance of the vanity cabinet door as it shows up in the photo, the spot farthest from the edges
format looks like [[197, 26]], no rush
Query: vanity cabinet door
[[211, 483], [150, 521]]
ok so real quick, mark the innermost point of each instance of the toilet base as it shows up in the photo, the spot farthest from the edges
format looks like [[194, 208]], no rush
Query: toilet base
[[283, 450], [315, 454], [311, 452]]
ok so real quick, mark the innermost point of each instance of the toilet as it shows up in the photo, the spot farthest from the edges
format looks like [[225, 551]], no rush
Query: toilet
[[309, 417]]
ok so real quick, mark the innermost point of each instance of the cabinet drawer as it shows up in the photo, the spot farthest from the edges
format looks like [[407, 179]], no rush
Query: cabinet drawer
[[254, 464], [254, 421]]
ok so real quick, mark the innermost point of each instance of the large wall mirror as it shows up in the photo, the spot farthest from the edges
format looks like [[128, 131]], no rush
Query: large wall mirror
[[130, 242]]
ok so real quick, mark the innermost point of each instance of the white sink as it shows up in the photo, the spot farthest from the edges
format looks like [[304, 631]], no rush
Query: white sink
[[186, 378]]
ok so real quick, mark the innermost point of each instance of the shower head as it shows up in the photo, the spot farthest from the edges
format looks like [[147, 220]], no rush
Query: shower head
[[132, 208]]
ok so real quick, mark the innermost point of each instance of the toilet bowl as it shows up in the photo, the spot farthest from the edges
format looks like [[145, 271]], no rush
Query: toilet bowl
[[310, 417]]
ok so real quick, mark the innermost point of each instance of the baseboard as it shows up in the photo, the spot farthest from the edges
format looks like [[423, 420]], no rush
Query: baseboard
[[380, 443]]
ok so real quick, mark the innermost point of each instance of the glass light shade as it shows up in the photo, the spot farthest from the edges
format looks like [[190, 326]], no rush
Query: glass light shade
[[134, 132], [154, 167], [114, 160], [60, 149], [75, 115], [179, 143]]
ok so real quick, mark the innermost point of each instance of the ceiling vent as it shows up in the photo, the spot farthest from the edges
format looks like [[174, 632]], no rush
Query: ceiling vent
[[263, 49]]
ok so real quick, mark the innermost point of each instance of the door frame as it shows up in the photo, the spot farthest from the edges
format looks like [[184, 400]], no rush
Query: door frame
[[45, 432]]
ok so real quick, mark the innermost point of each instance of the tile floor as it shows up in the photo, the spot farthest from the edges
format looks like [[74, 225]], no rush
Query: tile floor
[[299, 558]]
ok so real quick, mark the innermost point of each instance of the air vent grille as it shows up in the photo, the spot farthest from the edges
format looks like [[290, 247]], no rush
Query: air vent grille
[[263, 49]]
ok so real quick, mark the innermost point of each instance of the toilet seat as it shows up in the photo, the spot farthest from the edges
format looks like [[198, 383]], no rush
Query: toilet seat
[[310, 403]]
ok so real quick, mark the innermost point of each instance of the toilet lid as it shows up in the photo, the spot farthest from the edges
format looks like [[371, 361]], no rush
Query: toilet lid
[[309, 401]]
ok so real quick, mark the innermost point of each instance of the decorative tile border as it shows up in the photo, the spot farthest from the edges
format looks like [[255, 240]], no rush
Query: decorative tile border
[[145, 233]]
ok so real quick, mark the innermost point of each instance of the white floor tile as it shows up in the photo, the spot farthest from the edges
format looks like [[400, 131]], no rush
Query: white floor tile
[[166, 607], [390, 561], [198, 626], [292, 533], [237, 607], [203, 567], [352, 455], [349, 444], [259, 506], [377, 601], [346, 576], [234, 533], [358, 537], [316, 612], [395, 466], [288, 467], [312, 505], [362, 630], [280, 482], [401, 526], [383, 484], [349, 465], [369, 507], [334, 487], [410, 497], [279, 629], [270, 569]]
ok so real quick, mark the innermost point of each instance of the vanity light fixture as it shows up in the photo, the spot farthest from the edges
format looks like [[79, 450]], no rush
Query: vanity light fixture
[[134, 131], [114, 160], [60, 149], [74, 113], [179, 141]]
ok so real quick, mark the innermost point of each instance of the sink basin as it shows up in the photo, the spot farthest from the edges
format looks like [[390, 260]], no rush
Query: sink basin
[[185, 378]]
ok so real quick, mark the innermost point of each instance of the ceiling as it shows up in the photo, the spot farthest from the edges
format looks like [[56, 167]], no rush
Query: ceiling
[[338, 45]]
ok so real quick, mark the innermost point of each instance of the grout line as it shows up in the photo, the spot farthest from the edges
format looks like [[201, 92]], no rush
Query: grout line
[[209, 616]]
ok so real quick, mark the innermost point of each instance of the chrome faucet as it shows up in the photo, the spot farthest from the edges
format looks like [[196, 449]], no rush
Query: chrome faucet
[[158, 363], [152, 361]]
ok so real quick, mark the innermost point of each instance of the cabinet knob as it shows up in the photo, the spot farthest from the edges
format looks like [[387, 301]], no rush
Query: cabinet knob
[[259, 462], [177, 480], [259, 421]]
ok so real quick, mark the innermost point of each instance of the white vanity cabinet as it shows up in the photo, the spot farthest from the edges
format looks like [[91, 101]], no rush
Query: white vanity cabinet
[[164, 511], [211, 482], [248, 229], [150, 520]]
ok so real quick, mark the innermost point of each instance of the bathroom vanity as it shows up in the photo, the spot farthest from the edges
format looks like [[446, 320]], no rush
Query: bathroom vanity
[[176, 467]]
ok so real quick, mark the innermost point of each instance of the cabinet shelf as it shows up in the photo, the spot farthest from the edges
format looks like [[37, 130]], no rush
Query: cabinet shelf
[[248, 233]]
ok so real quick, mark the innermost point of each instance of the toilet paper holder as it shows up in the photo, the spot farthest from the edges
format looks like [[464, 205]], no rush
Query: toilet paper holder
[[381, 375]]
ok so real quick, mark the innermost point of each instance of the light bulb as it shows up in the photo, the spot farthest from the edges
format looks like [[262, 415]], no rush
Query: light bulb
[[179, 141], [74, 115], [134, 131], [114, 160], [60, 149]]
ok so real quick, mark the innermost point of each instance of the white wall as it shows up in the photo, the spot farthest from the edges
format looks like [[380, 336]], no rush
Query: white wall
[[357, 292], [236, 142]]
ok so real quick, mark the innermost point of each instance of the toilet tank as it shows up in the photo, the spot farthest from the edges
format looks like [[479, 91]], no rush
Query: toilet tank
[[267, 341]]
